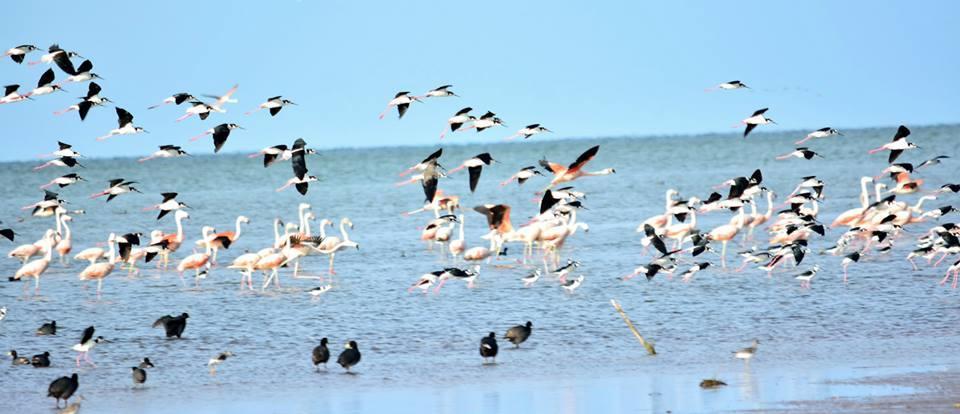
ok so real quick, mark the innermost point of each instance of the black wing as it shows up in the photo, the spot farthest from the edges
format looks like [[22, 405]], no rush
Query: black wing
[[84, 109], [430, 178], [64, 145], [488, 115], [436, 155], [474, 176], [275, 111], [402, 109], [8, 233], [299, 160], [548, 201], [168, 196], [123, 117], [115, 182], [760, 111], [10, 89], [47, 78], [464, 111], [901, 132], [302, 188], [93, 89], [749, 128], [220, 134], [87, 335], [584, 158], [64, 63], [893, 156], [86, 66]]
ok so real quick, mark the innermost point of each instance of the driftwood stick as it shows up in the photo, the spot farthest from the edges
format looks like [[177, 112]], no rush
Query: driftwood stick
[[647, 345]]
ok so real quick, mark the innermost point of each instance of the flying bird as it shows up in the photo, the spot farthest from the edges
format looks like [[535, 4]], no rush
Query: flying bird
[[529, 131], [574, 171], [116, 187], [475, 167], [274, 104], [800, 152], [402, 101], [440, 92], [457, 120], [299, 162], [220, 134], [758, 118], [19, 52], [125, 125], [897, 145], [488, 120], [45, 85], [820, 133], [177, 99], [165, 151], [523, 175]]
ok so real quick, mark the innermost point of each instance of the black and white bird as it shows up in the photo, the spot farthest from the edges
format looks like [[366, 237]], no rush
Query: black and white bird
[[3, 309], [165, 151], [59, 162], [688, 274], [139, 375], [220, 101], [125, 125], [897, 145], [820, 133], [747, 353], [529, 131], [63, 388], [807, 276], [800, 152], [402, 101], [523, 175], [55, 54], [45, 85], [488, 120], [727, 86], [48, 328], [531, 278], [86, 344], [299, 162], [177, 99], [457, 120], [16, 359], [64, 180], [63, 150], [350, 356], [278, 153], [199, 109], [220, 134], [758, 118], [519, 334], [173, 325], [89, 101], [214, 362], [475, 166], [488, 347], [562, 271], [572, 284], [19, 52], [274, 104], [933, 161], [145, 363], [467, 275], [440, 92], [422, 165], [939, 212], [168, 204], [83, 73], [10, 95], [431, 175], [949, 188], [847, 261], [116, 187], [320, 354]]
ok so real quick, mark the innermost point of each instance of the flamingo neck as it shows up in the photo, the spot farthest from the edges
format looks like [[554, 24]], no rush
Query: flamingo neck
[[66, 229], [876, 188], [323, 229], [343, 230], [864, 194], [179, 229], [112, 254], [276, 233], [461, 227], [236, 234], [769, 206]]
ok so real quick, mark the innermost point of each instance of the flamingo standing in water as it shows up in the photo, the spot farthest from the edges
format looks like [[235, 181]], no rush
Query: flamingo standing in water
[[197, 260], [459, 245], [218, 240], [332, 247], [569, 173], [99, 271], [171, 242], [725, 233], [852, 217], [65, 244], [36, 268]]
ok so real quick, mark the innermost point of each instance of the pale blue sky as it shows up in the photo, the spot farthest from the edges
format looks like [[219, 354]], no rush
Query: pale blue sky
[[582, 69]]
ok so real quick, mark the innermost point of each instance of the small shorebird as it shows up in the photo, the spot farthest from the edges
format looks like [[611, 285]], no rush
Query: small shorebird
[[529, 131], [488, 120], [475, 166], [86, 344], [847, 260], [457, 120], [728, 86], [83, 73], [820, 133], [220, 134], [523, 175], [18, 53], [125, 125], [177, 98], [168, 204], [897, 145], [217, 360], [440, 92], [116, 187], [45, 85], [756, 119], [807, 276], [572, 284], [274, 104], [402, 101], [165, 151], [10, 95], [747, 353], [800, 152]]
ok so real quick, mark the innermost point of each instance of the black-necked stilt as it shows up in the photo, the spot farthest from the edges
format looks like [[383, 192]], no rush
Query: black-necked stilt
[[488, 347], [125, 125], [63, 388], [45, 85], [320, 354], [820, 133], [402, 101], [425, 281], [727, 86], [807, 276], [933, 161], [467, 275], [10, 95], [116, 187], [177, 98], [748, 352], [431, 175], [800, 152], [474, 166], [519, 334], [18, 53], [63, 150], [940, 212], [350, 356], [756, 119], [59, 162], [64, 180], [523, 175], [532, 278], [86, 344], [165, 151], [214, 362], [83, 73], [897, 145], [572, 284], [688, 274], [198, 108], [488, 120], [173, 325], [847, 260], [168, 204], [949, 188], [274, 104], [529, 131], [92, 99], [41, 360], [60, 57], [422, 165], [220, 134], [298, 161], [457, 120], [278, 153], [440, 92]]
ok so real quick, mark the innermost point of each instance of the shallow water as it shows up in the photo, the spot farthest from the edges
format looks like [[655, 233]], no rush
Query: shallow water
[[420, 351]]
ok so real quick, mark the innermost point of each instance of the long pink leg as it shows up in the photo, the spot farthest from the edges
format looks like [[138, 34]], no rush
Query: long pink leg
[[805, 139], [184, 117], [78, 359]]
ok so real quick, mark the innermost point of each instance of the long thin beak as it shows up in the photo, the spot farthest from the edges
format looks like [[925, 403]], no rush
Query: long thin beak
[[293, 103], [240, 127]]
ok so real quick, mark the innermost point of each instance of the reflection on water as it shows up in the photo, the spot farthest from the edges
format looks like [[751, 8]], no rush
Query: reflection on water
[[420, 351]]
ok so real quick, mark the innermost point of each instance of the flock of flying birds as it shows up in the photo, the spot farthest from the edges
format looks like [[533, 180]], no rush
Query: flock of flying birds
[[873, 227]]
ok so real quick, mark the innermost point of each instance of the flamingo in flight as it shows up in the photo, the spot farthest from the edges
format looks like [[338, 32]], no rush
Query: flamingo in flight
[[574, 171]]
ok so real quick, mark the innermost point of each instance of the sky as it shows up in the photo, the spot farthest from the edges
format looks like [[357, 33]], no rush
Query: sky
[[620, 68]]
